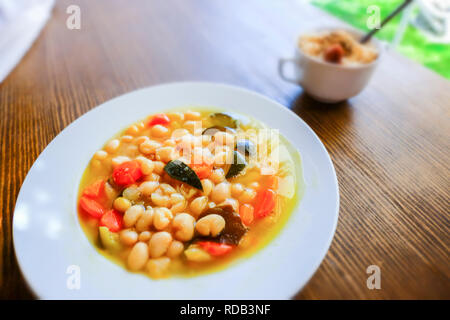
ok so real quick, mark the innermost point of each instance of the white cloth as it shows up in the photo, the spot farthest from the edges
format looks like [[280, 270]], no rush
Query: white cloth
[[20, 24]]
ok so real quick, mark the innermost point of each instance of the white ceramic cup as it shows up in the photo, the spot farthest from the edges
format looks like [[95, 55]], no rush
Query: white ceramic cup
[[327, 82]]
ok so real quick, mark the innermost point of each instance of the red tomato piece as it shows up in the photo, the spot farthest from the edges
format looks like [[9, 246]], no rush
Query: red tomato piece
[[159, 118], [264, 203], [214, 248], [112, 219], [127, 173], [91, 207], [246, 213], [95, 190]]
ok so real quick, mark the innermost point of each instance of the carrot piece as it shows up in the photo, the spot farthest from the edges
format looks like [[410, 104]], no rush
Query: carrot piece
[[127, 173], [91, 207], [159, 118], [264, 203], [271, 182], [214, 248], [112, 219], [246, 213], [95, 190], [202, 170]]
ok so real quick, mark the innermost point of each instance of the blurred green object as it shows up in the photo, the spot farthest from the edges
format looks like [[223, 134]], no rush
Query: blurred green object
[[414, 44]]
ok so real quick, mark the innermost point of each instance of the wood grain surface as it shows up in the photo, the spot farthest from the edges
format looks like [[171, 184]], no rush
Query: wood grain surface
[[390, 144]]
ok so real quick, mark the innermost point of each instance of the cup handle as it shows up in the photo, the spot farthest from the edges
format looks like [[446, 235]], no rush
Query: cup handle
[[281, 63]]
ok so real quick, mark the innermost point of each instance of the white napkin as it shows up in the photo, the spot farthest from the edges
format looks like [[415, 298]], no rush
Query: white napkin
[[20, 24]]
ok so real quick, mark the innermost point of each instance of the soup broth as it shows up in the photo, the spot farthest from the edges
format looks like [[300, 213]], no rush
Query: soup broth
[[188, 191]]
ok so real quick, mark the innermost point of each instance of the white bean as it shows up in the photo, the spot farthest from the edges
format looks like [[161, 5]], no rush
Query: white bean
[[160, 131], [128, 237], [112, 146], [159, 243], [207, 186], [145, 236], [220, 192], [183, 224], [162, 218], [160, 200], [148, 187], [145, 220], [175, 249], [149, 146], [146, 165], [138, 256], [100, 155], [198, 205], [132, 215], [211, 224]]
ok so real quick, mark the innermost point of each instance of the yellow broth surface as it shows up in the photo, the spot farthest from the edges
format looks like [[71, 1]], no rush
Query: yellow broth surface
[[284, 178]]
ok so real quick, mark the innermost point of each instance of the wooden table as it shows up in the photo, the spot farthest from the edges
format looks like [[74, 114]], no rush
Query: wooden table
[[390, 144]]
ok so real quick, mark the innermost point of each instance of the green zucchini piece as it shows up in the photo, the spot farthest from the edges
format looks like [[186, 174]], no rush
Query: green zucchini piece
[[246, 147], [110, 240], [214, 129], [181, 172], [237, 166], [224, 119]]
